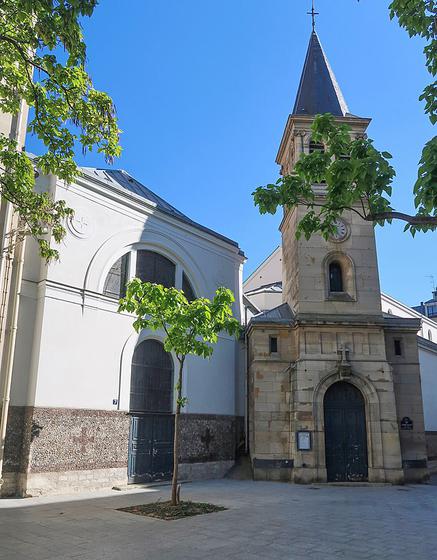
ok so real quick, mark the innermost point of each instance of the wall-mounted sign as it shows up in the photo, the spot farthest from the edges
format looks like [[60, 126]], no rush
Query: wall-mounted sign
[[406, 423], [304, 441]]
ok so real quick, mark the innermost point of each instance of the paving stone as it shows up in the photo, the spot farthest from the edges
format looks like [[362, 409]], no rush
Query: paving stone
[[265, 521]]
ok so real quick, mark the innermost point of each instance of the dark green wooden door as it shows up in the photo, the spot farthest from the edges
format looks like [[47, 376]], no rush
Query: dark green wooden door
[[151, 448], [345, 434], [152, 420]]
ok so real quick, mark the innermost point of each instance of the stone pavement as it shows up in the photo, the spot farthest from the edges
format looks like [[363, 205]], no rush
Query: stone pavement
[[265, 520]]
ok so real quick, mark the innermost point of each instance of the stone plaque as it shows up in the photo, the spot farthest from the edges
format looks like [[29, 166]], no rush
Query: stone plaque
[[304, 441]]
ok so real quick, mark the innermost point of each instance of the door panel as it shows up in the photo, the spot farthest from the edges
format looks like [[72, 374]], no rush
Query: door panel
[[151, 448], [345, 434]]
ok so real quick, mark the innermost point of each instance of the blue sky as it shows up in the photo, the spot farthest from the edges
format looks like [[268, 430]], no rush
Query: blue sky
[[203, 89]]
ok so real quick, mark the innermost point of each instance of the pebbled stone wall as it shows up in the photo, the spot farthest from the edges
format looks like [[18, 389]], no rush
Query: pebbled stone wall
[[48, 448], [209, 437]]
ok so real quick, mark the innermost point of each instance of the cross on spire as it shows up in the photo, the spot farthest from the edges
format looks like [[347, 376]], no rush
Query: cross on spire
[[313, 14]]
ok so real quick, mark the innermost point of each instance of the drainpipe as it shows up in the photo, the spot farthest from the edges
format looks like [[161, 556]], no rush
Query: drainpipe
[[10, 288], [246, 446], [15, 291]]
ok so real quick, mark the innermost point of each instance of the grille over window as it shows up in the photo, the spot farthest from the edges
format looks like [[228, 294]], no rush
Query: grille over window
[[115, 283], [151, 378], [155, 268], [187, 288], [335, 278]]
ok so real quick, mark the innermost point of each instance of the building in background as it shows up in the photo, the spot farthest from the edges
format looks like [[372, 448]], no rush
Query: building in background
[[428, 308]]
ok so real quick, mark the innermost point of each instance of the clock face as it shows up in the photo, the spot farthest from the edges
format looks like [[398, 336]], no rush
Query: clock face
[[341, 231]]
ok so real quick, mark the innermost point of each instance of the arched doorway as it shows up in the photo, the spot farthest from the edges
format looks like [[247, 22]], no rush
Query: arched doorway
[[151, 409], [345, 434]]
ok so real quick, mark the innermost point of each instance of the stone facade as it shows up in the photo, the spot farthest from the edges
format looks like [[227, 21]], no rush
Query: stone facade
[[58, 450], [287, 392]]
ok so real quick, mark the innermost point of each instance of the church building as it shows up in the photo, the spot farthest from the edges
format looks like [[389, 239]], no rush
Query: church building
[[92, 401], [325, 386], [334, 384]]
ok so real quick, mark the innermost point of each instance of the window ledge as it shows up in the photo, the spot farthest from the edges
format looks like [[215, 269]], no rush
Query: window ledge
[[340, 296]]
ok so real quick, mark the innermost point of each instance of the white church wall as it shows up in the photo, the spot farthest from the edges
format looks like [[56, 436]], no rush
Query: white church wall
[[82, 358], [394, 307], [428, 374], [268, 272]]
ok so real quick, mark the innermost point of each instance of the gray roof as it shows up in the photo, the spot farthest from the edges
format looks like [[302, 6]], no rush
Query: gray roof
[[280, 315], [272, 288], [318, 91], [121, 179]]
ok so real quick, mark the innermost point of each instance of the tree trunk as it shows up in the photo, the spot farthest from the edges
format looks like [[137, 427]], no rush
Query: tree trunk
[[174, 482]]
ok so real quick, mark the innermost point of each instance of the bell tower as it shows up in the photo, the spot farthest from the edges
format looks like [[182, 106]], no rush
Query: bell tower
[[338, 276], [326, 393]]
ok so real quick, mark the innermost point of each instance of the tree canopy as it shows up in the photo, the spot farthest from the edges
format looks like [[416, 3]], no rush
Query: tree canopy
[[42, 62], [189, 327], [355, 174]]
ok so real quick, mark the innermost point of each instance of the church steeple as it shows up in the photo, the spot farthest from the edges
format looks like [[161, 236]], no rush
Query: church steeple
[[318, 91]]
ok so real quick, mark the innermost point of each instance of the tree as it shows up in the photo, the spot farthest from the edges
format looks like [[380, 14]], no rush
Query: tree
[[42, 62], [356, 175], [191, 328]]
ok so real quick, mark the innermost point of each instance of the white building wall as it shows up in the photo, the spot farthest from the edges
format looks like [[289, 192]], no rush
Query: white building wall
[[80, 355], [394, 307], [428, 373], [268, 272]]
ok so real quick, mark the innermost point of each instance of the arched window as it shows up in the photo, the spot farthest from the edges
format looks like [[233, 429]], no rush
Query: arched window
[[155, 268], [115, 283], [316, 147], [187, 288], [335, 277], [151, 378], [430, 335]]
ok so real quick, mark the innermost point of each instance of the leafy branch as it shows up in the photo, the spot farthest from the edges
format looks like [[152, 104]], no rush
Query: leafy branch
[[68, 110], [354, 175]]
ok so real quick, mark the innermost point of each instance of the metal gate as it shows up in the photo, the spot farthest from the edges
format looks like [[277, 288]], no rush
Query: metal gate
[[151, 448], [345, 434]]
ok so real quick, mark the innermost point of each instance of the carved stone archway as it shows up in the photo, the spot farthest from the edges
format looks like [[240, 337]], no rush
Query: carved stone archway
[[373, 424]]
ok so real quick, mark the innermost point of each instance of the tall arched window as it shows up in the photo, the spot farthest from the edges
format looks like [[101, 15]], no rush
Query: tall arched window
[[187, 288], [151, 378], [335, 277], [115, 283], [155, 268]]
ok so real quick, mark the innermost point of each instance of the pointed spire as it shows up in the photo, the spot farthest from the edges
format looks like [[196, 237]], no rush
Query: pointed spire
[[318, 91]]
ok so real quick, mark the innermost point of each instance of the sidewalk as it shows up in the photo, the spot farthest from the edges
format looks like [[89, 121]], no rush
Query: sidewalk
[[264, 521]]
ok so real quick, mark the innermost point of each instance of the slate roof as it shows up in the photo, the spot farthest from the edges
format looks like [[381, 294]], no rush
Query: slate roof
[[318, 91], [122, 180], [280, 315], [272, 288]]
